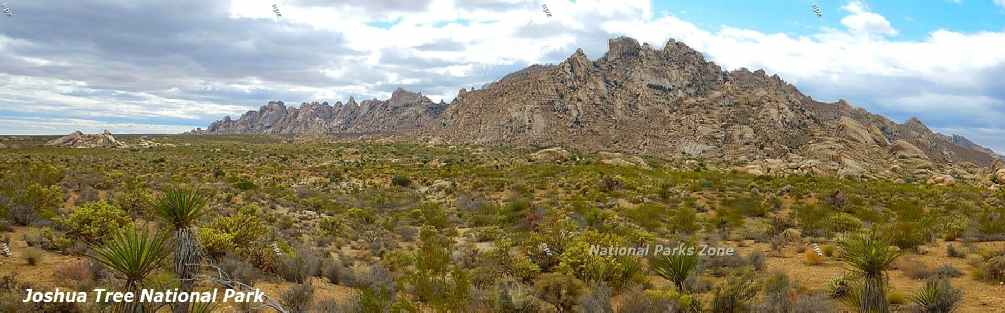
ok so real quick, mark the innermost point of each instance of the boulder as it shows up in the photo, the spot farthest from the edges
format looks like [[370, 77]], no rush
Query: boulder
[[551, 155], [999, 177], [942, 180], [854, 130], [440, 185], [752, 169], [618, 159], [851, 169], [905, 150], [78, 139]]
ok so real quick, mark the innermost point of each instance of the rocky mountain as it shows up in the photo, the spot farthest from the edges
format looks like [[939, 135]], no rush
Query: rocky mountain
[[666, 101], [78, 139], [402, 112]]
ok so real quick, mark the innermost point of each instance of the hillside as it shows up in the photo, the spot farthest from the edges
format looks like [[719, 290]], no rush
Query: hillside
[[669, 102]]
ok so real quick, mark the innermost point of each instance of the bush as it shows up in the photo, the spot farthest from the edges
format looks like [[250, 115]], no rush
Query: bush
[[896, 298], [954, 252], [813, 304], [245, 185], [914, 269], [243, 232], [617, 272], [946, 271], [337, 273], [240, 270], [515, 298], [991, 269], [777, 295], [938, 296], [94, 221], [828, 250], [810, 257], [734, 294], [598, 300], [300, 266], [401, 181], [685, 220], [757, 260], [78, 272], [298, 299], [843, 223], [658, 301], [560, 290], [33, 256]]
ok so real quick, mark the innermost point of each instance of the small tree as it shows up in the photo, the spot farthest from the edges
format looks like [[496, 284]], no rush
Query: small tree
[[868, 256], [180, 209]]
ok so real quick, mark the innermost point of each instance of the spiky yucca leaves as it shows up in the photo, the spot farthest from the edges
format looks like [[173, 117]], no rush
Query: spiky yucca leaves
[[134, 253], [869, 256], [181, 209], [676, 267], [938, 296]]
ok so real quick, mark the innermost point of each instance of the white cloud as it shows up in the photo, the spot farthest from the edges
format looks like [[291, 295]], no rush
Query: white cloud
[[451, 44], [50, 126], [1000, 3], [862, 21]]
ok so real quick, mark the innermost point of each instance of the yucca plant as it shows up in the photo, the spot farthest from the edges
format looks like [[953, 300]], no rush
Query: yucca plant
[[181, 209], [938, 296], [133, 253], [676, 267], [868, 257]]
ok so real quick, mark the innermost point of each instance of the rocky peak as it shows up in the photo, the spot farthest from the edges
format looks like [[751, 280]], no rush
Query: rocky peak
[[402, 97], [623, 48]]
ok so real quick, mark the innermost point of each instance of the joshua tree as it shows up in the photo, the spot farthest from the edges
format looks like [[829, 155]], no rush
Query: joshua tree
[[868, 256], [180, 209], [676, 267], [133, 253]]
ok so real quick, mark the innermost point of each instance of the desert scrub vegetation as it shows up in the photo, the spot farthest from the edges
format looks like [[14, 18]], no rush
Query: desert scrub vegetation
[[475, 229]]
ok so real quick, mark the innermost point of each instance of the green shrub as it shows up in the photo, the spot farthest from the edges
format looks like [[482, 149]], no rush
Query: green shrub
[[617, 271], [844, 223], [33, 256], [401, 181], [813, 219], [648, 215], [243, 232], [746, 205], [560, 290], [35, 201], [133, 199], [685, 220], [95, 221], [245, 185]]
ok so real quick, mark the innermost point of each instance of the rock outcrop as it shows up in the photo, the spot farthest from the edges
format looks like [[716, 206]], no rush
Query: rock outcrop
[[403, 111], [637, 99], [78, 139]]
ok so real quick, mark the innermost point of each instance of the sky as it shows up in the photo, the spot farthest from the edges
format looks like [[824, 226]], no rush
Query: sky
[[171, 66]]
